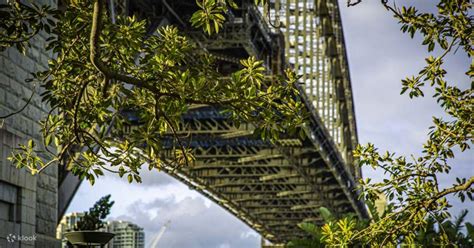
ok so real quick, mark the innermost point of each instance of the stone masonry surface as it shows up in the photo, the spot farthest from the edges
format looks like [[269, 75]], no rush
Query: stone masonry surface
[[36, 207]]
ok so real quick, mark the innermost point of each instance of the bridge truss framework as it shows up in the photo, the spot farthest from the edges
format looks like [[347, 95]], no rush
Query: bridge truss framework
[[270, 187]]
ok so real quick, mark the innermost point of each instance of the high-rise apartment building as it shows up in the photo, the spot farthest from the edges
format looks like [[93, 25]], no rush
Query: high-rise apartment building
[[127, 234], [67, 225]]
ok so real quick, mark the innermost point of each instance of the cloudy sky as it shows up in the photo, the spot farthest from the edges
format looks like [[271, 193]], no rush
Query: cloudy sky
[[379, 56]]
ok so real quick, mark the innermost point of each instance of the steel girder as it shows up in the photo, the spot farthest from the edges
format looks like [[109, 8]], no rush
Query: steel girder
[[314, 46], [268, 186], [271, 187]]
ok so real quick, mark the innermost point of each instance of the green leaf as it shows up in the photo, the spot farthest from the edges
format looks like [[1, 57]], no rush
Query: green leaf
[[47, 140], [326, 214], [310, 228], [470, 230], [98, 172]]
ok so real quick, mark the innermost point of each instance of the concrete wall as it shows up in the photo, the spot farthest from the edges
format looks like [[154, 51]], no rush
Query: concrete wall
[[28, 204]]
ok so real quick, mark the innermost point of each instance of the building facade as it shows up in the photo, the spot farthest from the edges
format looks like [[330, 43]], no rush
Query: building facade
[[127, 235], [28, 204]]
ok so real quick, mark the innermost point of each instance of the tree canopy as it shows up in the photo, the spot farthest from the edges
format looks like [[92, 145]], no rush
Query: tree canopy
[[94, 218], [417, 203], [105, 69]]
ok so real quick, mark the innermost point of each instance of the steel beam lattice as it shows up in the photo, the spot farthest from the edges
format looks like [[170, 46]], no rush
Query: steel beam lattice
[[270, 187]]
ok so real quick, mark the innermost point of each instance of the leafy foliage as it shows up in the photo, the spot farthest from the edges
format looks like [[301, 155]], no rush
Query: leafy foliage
[[441, 231], [417, 201], [105, 72], [20, 22], [438, 232], [210, 16], [334, 231], [93, 219]]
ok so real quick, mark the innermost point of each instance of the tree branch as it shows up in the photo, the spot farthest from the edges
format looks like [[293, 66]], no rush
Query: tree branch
[[350, 3], [22, 108], [454, 189], [110, 74]]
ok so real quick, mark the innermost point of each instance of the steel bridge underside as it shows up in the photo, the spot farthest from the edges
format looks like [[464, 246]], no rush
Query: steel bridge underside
[[270, 187]]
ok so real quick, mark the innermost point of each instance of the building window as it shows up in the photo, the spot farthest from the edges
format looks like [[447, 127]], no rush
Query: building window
[[9, 199], [7, 211]]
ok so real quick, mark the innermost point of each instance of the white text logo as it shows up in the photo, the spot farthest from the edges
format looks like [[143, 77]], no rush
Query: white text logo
[[15, 237]]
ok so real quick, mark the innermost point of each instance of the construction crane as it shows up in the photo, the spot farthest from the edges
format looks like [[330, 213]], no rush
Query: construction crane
[[157, 238]]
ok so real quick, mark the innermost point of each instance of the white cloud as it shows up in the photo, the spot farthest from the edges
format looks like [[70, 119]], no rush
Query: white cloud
[[193, 224], [195, 221]]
